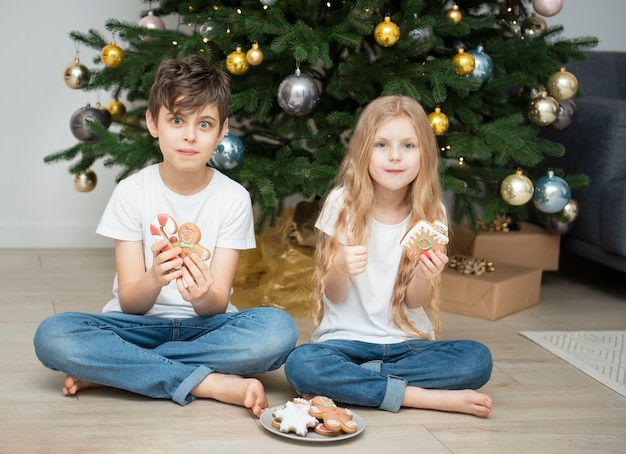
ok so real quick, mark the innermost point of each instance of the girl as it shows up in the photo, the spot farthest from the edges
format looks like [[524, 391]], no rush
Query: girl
[[376, 311]]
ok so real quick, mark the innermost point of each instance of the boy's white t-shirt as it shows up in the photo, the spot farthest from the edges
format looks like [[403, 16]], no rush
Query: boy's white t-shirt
[[365, 315], [222, 211]]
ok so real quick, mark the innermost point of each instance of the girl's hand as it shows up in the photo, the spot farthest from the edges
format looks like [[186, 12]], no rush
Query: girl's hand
[[351, 258], [196, 279], [431, 264], [166, 265]]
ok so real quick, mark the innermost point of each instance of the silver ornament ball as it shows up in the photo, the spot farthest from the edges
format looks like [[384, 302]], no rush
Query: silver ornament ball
[[565, 116], [79, 123], [298, 94]]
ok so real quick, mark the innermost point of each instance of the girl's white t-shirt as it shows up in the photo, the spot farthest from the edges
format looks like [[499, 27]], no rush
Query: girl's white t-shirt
[[365, 315], [222, 211]]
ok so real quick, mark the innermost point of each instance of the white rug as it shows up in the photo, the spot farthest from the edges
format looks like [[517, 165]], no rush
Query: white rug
[[599, 354]]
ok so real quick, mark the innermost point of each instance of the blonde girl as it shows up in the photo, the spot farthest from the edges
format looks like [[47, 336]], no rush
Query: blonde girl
[[376, 312]]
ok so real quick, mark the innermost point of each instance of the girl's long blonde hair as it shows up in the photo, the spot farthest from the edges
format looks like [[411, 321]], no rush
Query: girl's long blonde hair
[[423, 197]]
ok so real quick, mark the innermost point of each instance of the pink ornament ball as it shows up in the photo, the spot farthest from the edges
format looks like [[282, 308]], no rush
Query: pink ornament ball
[[547, 8]]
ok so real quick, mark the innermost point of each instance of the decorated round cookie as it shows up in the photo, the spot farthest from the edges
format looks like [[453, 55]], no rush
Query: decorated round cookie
[[423, 237]]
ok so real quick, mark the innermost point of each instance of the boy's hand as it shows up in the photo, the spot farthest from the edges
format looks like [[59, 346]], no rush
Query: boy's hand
[[430, 264], [196, 279], [166, 265], [351, 258]]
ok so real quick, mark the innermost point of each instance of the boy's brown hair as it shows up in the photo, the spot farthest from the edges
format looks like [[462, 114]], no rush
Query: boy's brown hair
[[189, 84]]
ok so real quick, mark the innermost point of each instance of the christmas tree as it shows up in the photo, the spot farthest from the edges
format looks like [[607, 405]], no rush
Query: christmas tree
[[302, 70]]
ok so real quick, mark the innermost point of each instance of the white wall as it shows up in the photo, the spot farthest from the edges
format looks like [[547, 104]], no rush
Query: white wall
[[39, 206]]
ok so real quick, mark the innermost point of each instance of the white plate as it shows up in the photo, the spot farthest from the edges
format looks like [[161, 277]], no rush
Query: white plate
[[266, 422]]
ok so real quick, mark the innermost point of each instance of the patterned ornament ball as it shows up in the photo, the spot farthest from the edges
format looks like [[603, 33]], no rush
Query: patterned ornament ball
[[228, 154], [255, 55], [85, 180], [454, 15], [464, 63], [387, 33], [517, 189], [298, 94], [117, 109], [566, 115], [112, 55], [438, 122], [551, 194], [236, 62], [562, 85], [79, 123], [543, 110], [483, 67], [547, 8], [76, 75]]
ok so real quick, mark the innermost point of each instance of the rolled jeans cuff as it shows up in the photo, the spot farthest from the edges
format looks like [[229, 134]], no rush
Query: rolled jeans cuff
[[393, 394], [182, 394]]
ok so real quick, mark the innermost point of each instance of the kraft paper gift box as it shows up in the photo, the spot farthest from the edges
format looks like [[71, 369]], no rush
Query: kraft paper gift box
[[492, 295], [531, 246]]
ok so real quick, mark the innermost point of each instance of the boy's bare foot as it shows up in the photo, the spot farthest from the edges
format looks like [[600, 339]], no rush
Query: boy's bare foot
[[233, 389], [72, 385], [461, 401]]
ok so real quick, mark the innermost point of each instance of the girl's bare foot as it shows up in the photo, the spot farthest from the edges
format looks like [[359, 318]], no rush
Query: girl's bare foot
[[461, 401], [72, 385], [233, 389]]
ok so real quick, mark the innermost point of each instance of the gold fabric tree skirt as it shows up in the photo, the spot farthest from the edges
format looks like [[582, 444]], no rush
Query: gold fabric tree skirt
[[279, 272]]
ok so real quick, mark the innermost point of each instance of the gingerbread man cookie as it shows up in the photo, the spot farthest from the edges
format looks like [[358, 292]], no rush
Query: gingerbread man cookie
[[163, 226], [335, 419], [423, 237]]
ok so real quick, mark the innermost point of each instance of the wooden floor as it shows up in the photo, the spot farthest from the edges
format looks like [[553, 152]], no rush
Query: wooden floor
[[541, 404]]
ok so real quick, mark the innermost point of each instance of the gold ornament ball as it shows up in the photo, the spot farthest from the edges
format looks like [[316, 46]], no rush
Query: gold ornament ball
[[85, 181], [464, 63], [517, 189], [387, 33], [569, 212], [116, 109], [562, 85], [112, 55], [76, 74], [543, 110], [236, 62], [438, 122], [454, 15], [255, 55]]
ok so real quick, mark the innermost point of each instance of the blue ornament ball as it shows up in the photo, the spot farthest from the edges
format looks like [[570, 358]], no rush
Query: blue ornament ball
[[228, 154], [483, 69], [551, 193]]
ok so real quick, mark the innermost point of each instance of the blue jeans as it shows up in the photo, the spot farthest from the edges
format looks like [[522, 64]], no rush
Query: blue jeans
[[376, 375], [163, 357]]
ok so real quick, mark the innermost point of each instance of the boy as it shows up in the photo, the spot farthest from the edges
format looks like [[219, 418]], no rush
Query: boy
[[170, 330]]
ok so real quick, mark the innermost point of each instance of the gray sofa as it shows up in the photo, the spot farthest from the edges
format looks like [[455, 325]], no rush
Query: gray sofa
[[595, 144]]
